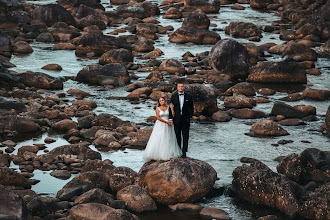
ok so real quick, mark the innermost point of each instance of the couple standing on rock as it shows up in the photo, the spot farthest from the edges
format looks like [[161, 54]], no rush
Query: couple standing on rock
[[165, 140]]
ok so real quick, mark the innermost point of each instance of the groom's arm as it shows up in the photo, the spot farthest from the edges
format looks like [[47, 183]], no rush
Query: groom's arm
[[191, 107], [170, 110]]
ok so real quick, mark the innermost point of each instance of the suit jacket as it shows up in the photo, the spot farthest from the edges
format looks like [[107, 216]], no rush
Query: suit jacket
[[187, 109]]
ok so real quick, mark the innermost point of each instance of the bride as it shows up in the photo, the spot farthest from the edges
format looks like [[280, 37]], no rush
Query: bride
[[162, 144]]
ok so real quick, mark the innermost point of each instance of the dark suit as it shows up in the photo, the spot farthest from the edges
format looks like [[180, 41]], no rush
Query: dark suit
[[181, 121]]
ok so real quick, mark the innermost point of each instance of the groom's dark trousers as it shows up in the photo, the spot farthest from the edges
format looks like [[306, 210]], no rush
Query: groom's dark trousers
[[181, 119]]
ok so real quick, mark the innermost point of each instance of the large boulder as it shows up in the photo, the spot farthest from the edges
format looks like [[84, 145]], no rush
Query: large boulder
[[116, 56], [260, 4], [248, 113], [197, 19], [324, 49], [243, 29], [131, 11], [258, 184], [12, 204], [204, 98], [42, 206], [10, 5], [40, 80], [280, 108], [317, 94], [311, 165], [61, 31], [6, 48], [327, 121], [95, 196], [51, 14], [230, 57], [172, 66], [9, 177], [136, 199], [298, 52], [194, 35], [278, 72], [266, 128], [207, 6], [19, 124], [65, 125], [9, 103], [97, 178], [239, 101], [114, 74], [317, 205], [91, 211], [5, 75], [83, 152], [99, 44], [177, 180]]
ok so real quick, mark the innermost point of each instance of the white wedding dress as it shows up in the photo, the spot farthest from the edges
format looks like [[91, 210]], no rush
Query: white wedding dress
[[162, 144]]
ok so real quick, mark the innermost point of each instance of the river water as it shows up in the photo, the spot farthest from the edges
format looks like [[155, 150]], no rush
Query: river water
[[219, 144]]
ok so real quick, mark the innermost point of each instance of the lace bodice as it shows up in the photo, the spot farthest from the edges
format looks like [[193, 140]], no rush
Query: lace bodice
[[163, 114]]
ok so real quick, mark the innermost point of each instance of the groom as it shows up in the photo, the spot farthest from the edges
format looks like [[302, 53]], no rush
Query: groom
[[183, 111]]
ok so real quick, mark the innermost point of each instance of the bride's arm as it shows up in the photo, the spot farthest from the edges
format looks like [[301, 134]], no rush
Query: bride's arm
[[159, 118]]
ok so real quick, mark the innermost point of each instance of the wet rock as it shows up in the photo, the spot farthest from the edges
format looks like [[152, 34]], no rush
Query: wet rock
[[185, 207], [64, 46], [22, 47], [239, 101], [10, 5], [79, 103], [62, 32], [116, 56], [95, 196], [307, 109], [317, 205], [131, 11], [237, 7], [9, 103], [221, 116], [247, 113], [40, 80], [327, 121], [99, 44], [5, 75], [316, 94], [143, 45], [45, 37], [65, 125], [110, 74], [12, 204], [242, 88], [268, 217], [277, 72], [264, 128], [9, 177], [291, 122], [197, 19], [137, 93], [207, 6], [92, 211], [73, 189], [4, 162], [230, 57], [5, 45], [147, 30], [61, 174], [97, 178], [280, 108], [214, 213], [121, 178], [52, 13], [52, 66], [298, 52], [78, 93], [183, 180], [311, 165], [83, 152], [172, 13], [324, 49], [91, 20], [204, 98], [27, 148], [258, 184], [42, 206], [194, 35], [136, 199], [292, 97], [119, 2], [260, 4], [19, 124], [243, 30], [104, 139], [276, 49], [108, 120], [172, 66]]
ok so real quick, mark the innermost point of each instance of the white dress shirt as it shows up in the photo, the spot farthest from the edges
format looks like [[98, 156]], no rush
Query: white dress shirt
[[181, 100]]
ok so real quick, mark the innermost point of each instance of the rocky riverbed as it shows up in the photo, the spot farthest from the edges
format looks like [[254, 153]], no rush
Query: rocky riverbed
[[79, 81]]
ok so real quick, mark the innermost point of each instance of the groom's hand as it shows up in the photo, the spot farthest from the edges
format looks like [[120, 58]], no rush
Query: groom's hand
[[170, 122]]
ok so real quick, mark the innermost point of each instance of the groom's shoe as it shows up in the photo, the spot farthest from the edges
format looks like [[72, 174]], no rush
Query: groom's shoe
[[184, 155]]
